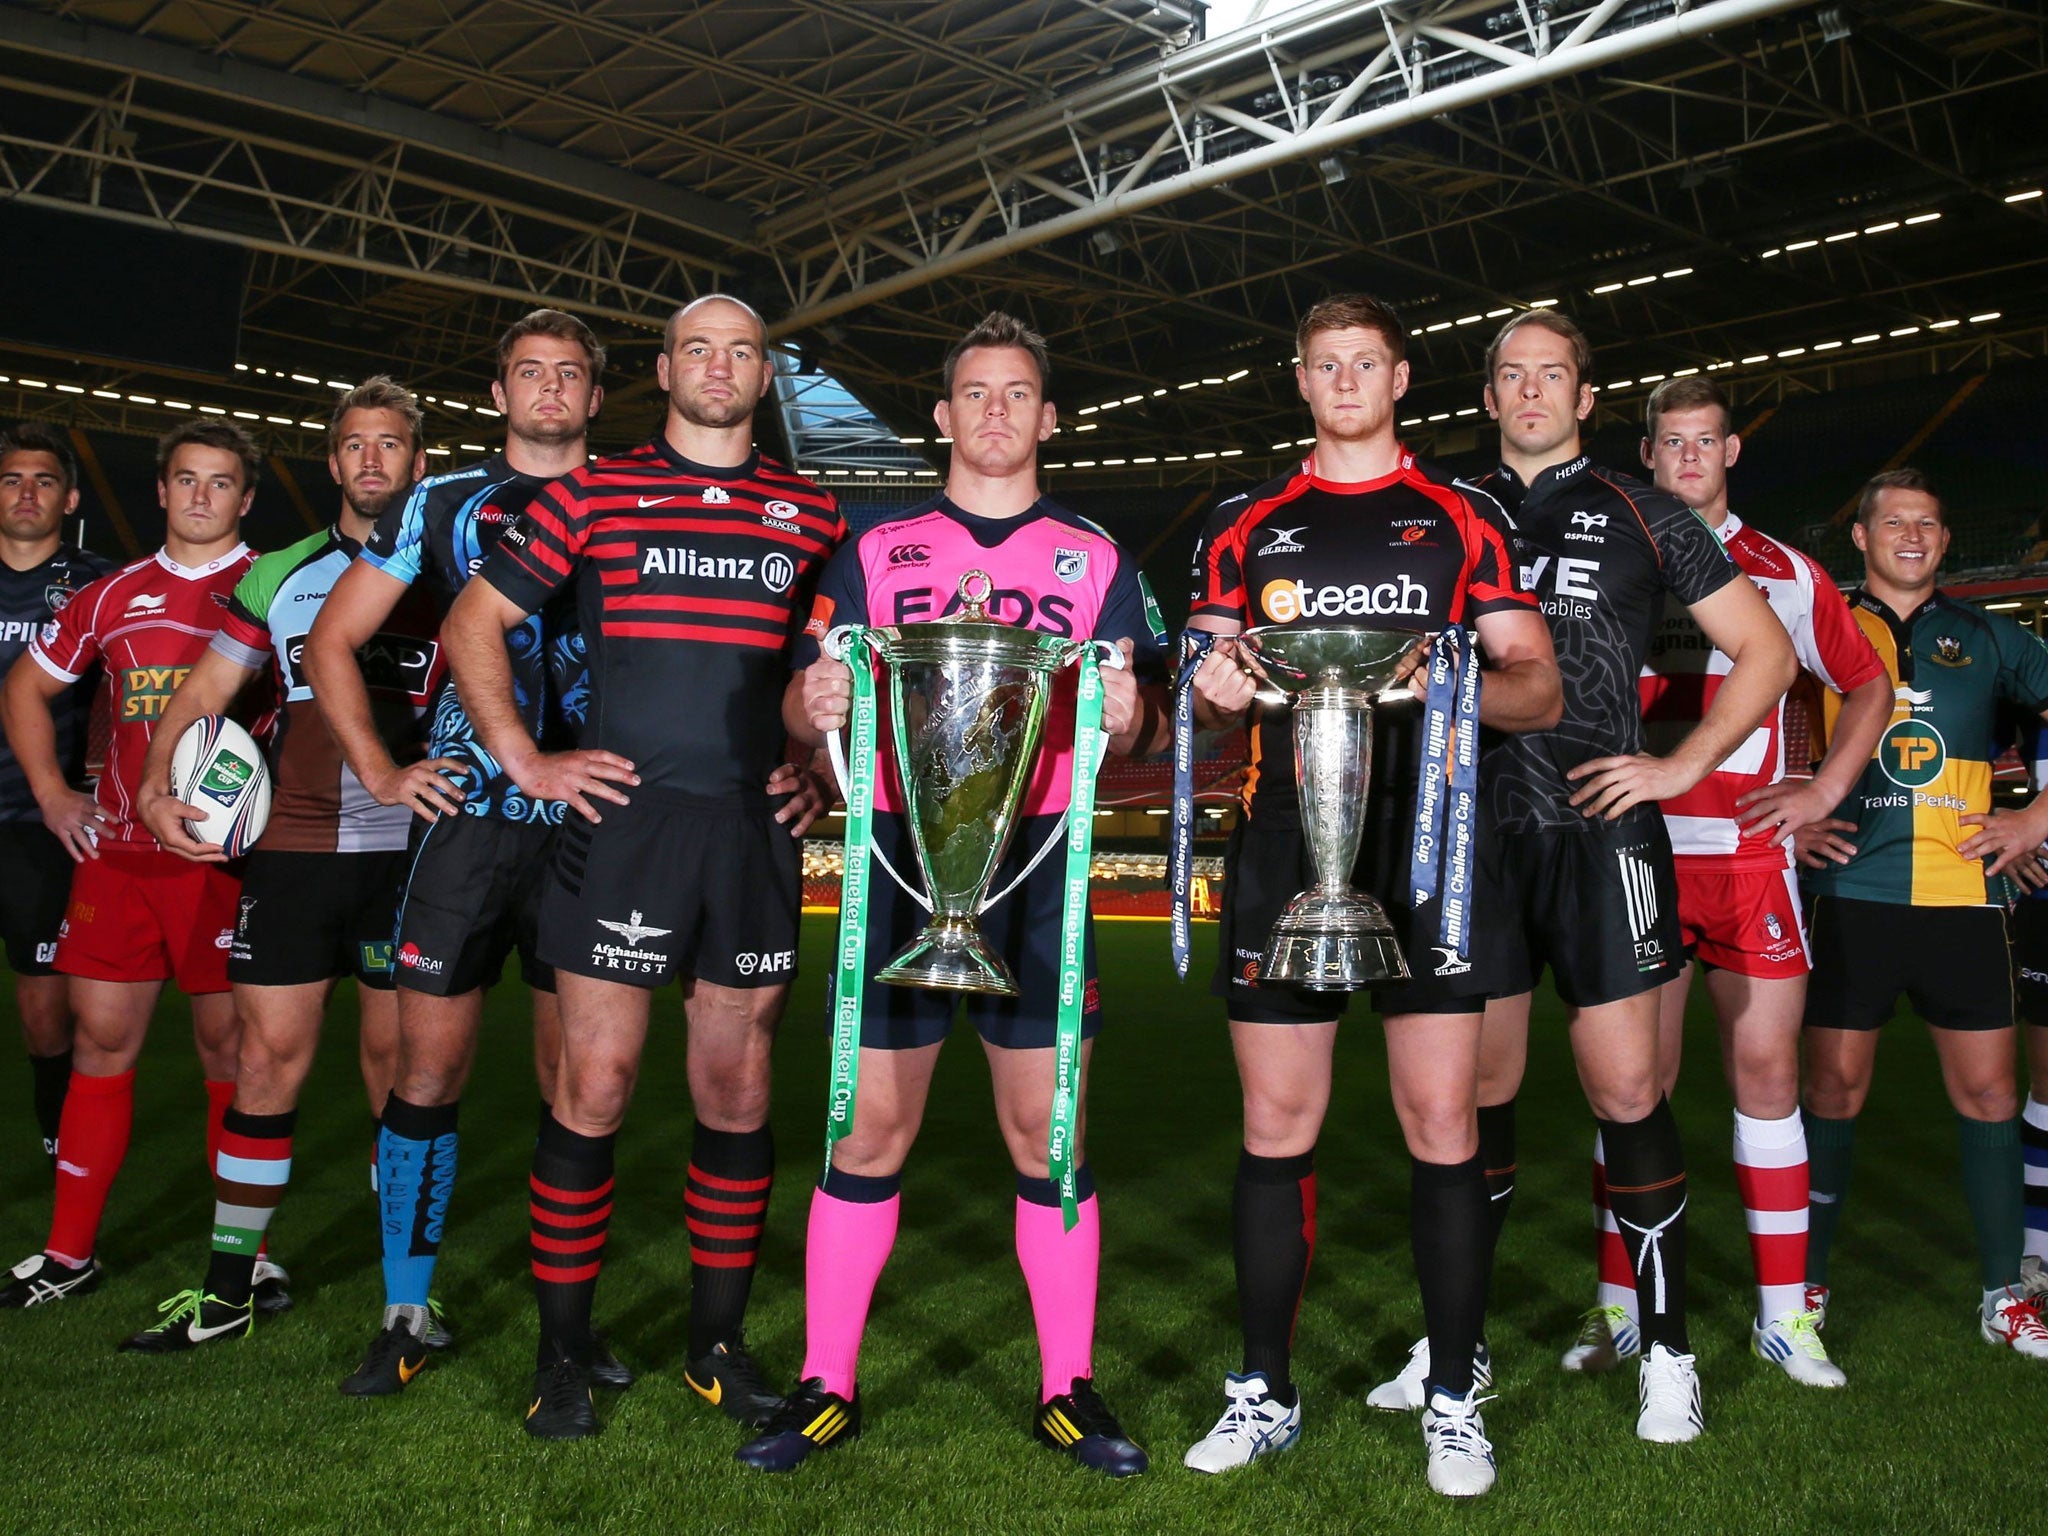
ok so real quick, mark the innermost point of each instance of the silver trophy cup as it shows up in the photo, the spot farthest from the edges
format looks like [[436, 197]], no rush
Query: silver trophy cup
[[967, 699], [1330, 937]]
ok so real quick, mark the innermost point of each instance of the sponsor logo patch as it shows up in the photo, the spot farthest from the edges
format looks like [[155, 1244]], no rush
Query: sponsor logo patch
[[413, 958], [1070, 565], [910, 554], [716, 496], [1912, 754], [1286, 541], [145, 691], [145, 603]]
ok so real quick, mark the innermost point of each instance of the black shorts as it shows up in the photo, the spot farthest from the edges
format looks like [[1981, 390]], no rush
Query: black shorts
[[35, 887], [1596, 901], [1267, 865], [1952, 963], [308, 917], [1024, 928], [675, 885], [2029, 928], [472, 895]]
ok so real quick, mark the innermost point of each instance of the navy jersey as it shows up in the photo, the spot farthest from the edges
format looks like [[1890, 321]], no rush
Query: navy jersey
[[28, 600], [442, 533]]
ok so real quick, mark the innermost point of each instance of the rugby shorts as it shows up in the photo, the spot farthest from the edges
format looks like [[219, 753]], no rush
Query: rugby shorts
[[675, 885], [472, 896], [1952, 964], [2029, 927], [306, 917], [1267, 864], [141, 914], [1595, 901], [1748, 921], [1024, 928], [35, 888]]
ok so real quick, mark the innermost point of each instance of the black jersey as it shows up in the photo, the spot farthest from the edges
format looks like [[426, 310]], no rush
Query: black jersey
[[1600, 550], [691, 582], [1414, 549], [442, 533], [28, 600]]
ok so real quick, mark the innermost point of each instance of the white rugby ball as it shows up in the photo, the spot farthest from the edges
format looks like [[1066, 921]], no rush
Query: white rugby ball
[[218, 768]]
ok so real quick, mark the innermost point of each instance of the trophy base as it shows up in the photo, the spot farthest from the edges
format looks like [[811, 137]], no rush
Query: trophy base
[[1333, 944], [950, 956]]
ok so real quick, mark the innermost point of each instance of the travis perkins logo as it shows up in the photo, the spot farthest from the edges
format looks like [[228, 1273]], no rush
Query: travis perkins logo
[[632, 957]]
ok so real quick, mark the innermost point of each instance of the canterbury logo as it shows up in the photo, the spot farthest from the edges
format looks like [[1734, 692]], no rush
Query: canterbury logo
[[910, 554]]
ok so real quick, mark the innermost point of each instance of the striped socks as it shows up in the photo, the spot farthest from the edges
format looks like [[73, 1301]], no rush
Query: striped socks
[[725, 1206], [2034, 1159], [249, 1175], [571, 1211], [1771, 1173]]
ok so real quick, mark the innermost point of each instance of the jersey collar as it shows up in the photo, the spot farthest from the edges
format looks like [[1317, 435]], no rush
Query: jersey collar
[[1731, 525], [1358, 487], [201, 572], [691, 467]]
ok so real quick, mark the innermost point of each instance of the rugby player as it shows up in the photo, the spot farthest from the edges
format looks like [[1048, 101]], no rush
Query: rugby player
[[1580, 865], [2030, 992], [39, 574], [1898, 881], [1053, 572], [1738, 892], [473, 875], [691, 560], [320, 889], [138, 915], [1360, 529]]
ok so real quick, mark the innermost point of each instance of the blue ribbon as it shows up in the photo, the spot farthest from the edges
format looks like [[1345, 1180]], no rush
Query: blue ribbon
[[1447, 803], [1180, 858]]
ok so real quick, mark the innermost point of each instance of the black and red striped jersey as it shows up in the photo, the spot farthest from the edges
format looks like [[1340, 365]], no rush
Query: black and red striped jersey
[[691, 582], [1414, 549]]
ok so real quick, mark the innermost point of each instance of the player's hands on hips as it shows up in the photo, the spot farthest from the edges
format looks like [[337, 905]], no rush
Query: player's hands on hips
[[1821, 843], [165, 815], [2004, 837], [424, 787], [828, 694], [1222, 682], [577, 777], [810, 796], [2029, 874], [74, 819], [1777, 811], [1610, 785], [1120, 704]]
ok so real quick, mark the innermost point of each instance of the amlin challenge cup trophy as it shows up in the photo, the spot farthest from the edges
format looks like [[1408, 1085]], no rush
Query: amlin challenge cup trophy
[[967, 703]]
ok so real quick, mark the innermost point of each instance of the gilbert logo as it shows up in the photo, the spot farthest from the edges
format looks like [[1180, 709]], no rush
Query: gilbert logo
[[1286, 541]]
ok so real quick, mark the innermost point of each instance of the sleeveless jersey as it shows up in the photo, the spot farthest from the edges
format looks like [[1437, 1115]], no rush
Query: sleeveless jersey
[[439, 537], [318, 804], [1414, 549], [28, 600], [1600, 551], [1952, 666], [147, 623], [1053, 571], [690, 581], [1684, 672]]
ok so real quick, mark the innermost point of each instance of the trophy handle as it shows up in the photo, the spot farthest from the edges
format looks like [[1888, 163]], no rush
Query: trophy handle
[[835, 645], [1106, 654]]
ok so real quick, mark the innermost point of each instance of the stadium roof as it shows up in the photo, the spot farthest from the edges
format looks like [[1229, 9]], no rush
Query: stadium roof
[[1774, 191]]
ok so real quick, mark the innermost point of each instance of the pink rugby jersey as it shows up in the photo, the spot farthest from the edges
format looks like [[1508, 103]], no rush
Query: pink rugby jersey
[[1684, 669], [1053, 571]]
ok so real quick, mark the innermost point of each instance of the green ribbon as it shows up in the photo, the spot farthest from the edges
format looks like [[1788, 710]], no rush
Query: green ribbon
[[851, 973], [1066, 1093]]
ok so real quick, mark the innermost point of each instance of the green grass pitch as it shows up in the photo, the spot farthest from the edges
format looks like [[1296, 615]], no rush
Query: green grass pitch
[[1936, 1432]]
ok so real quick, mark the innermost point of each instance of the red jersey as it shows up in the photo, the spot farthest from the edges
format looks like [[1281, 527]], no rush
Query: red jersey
[[1684, 671], [147, 623]]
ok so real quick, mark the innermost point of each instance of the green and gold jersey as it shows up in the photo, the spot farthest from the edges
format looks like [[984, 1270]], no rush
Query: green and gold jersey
[[1951, 667]]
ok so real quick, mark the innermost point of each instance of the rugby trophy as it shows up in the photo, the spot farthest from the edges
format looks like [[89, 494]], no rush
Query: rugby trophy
[[1331, 938], [967, 698]]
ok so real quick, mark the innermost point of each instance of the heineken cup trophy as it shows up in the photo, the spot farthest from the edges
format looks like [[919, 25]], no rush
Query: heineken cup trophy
[[967, 699], [1331, 938]]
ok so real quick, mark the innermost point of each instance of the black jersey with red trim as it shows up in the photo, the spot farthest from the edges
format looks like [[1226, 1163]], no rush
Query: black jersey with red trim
[[1600, 550], [691, 583], [1414, 549]]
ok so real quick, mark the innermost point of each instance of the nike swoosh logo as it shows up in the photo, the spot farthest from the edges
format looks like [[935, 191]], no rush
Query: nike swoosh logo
[[406, 1373], [714, 1397], [199, 1335], [654, 501]]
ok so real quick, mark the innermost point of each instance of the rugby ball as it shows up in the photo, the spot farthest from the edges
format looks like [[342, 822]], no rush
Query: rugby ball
[[218, 768]]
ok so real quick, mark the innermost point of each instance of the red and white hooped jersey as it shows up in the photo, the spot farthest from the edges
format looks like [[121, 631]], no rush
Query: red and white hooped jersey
[[1685, 669], [147, 623]]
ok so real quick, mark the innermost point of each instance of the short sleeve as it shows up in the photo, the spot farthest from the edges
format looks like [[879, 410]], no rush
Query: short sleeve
[[841, 598], [2022, 663], [1217, 580], [1494, 580], [69, 644], [1829, 642], [396, 544], [1129, 613], [536, 556], [1695, 565]]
